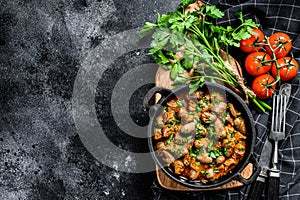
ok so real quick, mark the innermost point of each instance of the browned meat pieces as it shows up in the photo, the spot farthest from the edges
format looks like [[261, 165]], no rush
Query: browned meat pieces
[[192, 106], [199, 94], [178, 139], [219, 107], [229, 145], [208, 117], [188, 128], [157, 134], [210, 173], [193, 174], [170, 116], [160, 145], [239, 149], [220, 159], [216, 96], [230, 161], [219, 127], [178, 166], [166, 156], [184, 115], [239, 124], [160, 121], [187, 159], [202, 143], [228, 119], [204, 158], [167, 131], [172, 104], [233, 111], [240, 136]]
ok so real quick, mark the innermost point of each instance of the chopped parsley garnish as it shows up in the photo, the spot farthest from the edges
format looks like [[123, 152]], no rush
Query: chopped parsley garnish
[[181, 103], [202, 105], [196, 152], [170, 139], [205, 100], [217, 102], [225, 150], [210, 145], [212, 154], [204, 172], [192, 154], [241, 148], [211, 132], [216, 153], [175, 121], [216, 170]]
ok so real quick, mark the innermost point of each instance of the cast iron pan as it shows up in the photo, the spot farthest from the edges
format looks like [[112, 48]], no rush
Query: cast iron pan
[[167, 95]]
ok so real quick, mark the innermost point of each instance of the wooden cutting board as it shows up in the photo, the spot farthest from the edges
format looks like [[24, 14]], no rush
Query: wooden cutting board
[[163, 80]]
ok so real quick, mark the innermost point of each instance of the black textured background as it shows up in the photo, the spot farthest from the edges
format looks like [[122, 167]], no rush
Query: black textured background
[[42, 44]]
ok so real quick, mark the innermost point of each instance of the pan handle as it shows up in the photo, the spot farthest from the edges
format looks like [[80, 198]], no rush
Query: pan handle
[[149, 98], [258, 186], [256, 171]]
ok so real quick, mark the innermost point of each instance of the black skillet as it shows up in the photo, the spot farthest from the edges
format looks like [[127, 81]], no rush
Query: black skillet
[[235, 174]]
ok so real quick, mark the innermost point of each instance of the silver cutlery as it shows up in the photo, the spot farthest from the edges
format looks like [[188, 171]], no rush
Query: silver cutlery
[[277, 133], [266, 154]]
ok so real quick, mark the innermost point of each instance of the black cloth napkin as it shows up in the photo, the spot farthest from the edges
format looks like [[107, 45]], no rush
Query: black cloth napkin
[[274, 16]]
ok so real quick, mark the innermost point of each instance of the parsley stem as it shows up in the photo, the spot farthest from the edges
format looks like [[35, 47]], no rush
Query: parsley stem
[[218, 68], [256, 103], [264, 104], [170, 139], [196, 31], [208, 47], [211, 77]]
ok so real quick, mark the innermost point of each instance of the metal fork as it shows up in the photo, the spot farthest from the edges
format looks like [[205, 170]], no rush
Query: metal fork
[[277, 133]]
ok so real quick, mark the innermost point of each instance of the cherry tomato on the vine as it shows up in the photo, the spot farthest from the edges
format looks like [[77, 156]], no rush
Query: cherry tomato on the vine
[[258, 63], [287, 66], [263, 86], [280, 43], [254, 43]]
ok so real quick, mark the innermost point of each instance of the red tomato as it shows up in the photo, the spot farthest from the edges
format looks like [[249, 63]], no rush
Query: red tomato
[[288, 68], [258, 63], [263, 86], [280, 43], [254, 43]]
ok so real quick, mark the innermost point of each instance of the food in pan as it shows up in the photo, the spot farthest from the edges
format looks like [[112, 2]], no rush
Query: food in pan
[[201, 136]]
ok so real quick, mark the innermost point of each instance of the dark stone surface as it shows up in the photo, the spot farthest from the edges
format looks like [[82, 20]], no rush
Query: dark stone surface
[[42, 46]]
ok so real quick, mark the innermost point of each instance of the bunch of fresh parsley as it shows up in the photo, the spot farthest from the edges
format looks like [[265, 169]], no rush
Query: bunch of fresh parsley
[[199, 42]]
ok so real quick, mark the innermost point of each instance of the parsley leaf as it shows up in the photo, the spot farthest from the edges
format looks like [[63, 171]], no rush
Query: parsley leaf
[[213, 11], [196, 84], [179, 81], [148, 27]]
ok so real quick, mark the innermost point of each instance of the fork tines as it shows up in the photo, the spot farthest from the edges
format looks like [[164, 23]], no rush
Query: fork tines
[[278, 117]]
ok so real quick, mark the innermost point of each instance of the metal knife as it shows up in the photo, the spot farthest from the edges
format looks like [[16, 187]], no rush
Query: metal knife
[[264, 161]]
